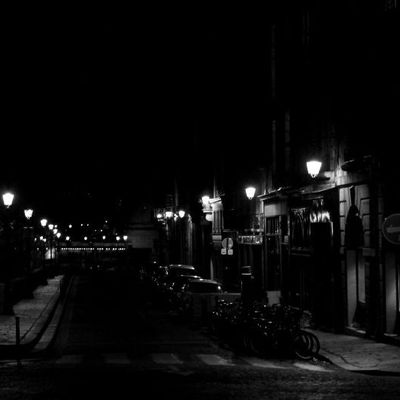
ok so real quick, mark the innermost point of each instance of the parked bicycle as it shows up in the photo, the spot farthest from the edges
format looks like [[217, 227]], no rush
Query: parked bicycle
[[265, 331]]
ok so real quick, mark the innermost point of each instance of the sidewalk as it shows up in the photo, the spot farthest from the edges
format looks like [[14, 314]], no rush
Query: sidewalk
[[359, 354], [34, 316]]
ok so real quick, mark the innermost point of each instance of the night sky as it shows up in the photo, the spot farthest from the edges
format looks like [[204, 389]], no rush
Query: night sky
[[111, 104], [103, 105]]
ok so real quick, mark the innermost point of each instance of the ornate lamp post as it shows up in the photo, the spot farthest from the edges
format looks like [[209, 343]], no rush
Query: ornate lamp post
[[7, 270]]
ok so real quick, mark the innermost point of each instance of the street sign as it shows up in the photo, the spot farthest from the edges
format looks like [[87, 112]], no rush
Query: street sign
[[391, 228], [223, 251], [227, 243]]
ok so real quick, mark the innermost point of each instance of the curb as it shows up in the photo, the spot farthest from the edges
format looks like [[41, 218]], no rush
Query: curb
[[340, 363], [34, 335], [47, 339]]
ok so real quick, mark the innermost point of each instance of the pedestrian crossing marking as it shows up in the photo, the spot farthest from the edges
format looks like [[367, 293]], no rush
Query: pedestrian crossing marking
[[259, 362], [172, 359], [214, 359], [116, 358], [166, 358], [72, 359]]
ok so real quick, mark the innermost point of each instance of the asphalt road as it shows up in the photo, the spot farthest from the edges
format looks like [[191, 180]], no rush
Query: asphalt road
[[113, 342]]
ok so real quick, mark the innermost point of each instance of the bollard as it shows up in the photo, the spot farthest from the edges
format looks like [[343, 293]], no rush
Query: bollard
[[18, 341]]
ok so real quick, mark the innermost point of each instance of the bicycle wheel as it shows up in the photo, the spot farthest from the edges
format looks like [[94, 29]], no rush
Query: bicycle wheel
[[257, 343], [314, 343], [302, 344]]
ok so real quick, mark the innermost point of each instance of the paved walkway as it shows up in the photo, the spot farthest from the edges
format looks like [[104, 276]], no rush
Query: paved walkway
[[39, 317], [358, 354], [34, 315]]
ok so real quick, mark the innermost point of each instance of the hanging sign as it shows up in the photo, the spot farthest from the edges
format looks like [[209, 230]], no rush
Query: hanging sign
[[391, 228]]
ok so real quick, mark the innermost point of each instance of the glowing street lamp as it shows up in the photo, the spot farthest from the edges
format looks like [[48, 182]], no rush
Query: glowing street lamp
[[205, 200], [43, 222], [28, 213], [313, 167], [8, 199], [125, 237], [250, 192], [181, 213]]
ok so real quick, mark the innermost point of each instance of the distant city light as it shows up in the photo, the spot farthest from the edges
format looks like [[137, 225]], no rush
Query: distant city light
[[181, 213], [168, 214]]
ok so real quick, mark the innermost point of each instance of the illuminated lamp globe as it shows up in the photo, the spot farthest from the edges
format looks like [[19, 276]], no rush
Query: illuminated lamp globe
[[8, 199], [43, 222], [181, 213], [205, 200], [28, 213], [250, 192], [313, 167], [168, 214]]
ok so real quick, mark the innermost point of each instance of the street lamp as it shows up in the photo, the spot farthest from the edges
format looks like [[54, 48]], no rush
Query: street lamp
[[205, 200], [181, 213], [313, 167], [43, 222], [28, 213], [250, 192], [8, 199]]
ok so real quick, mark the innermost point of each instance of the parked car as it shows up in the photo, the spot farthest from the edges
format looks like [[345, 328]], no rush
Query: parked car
[[196, 286], [176, 285], [172, 271]]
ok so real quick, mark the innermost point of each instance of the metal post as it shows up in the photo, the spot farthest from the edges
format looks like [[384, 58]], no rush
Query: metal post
[[18, 341]]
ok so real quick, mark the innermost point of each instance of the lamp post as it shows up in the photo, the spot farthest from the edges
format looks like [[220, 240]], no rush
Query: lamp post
[[27, 242], [7, 270], [43, 223]]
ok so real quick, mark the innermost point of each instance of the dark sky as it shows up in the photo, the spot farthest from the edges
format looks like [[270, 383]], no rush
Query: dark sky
[[105, 101]]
